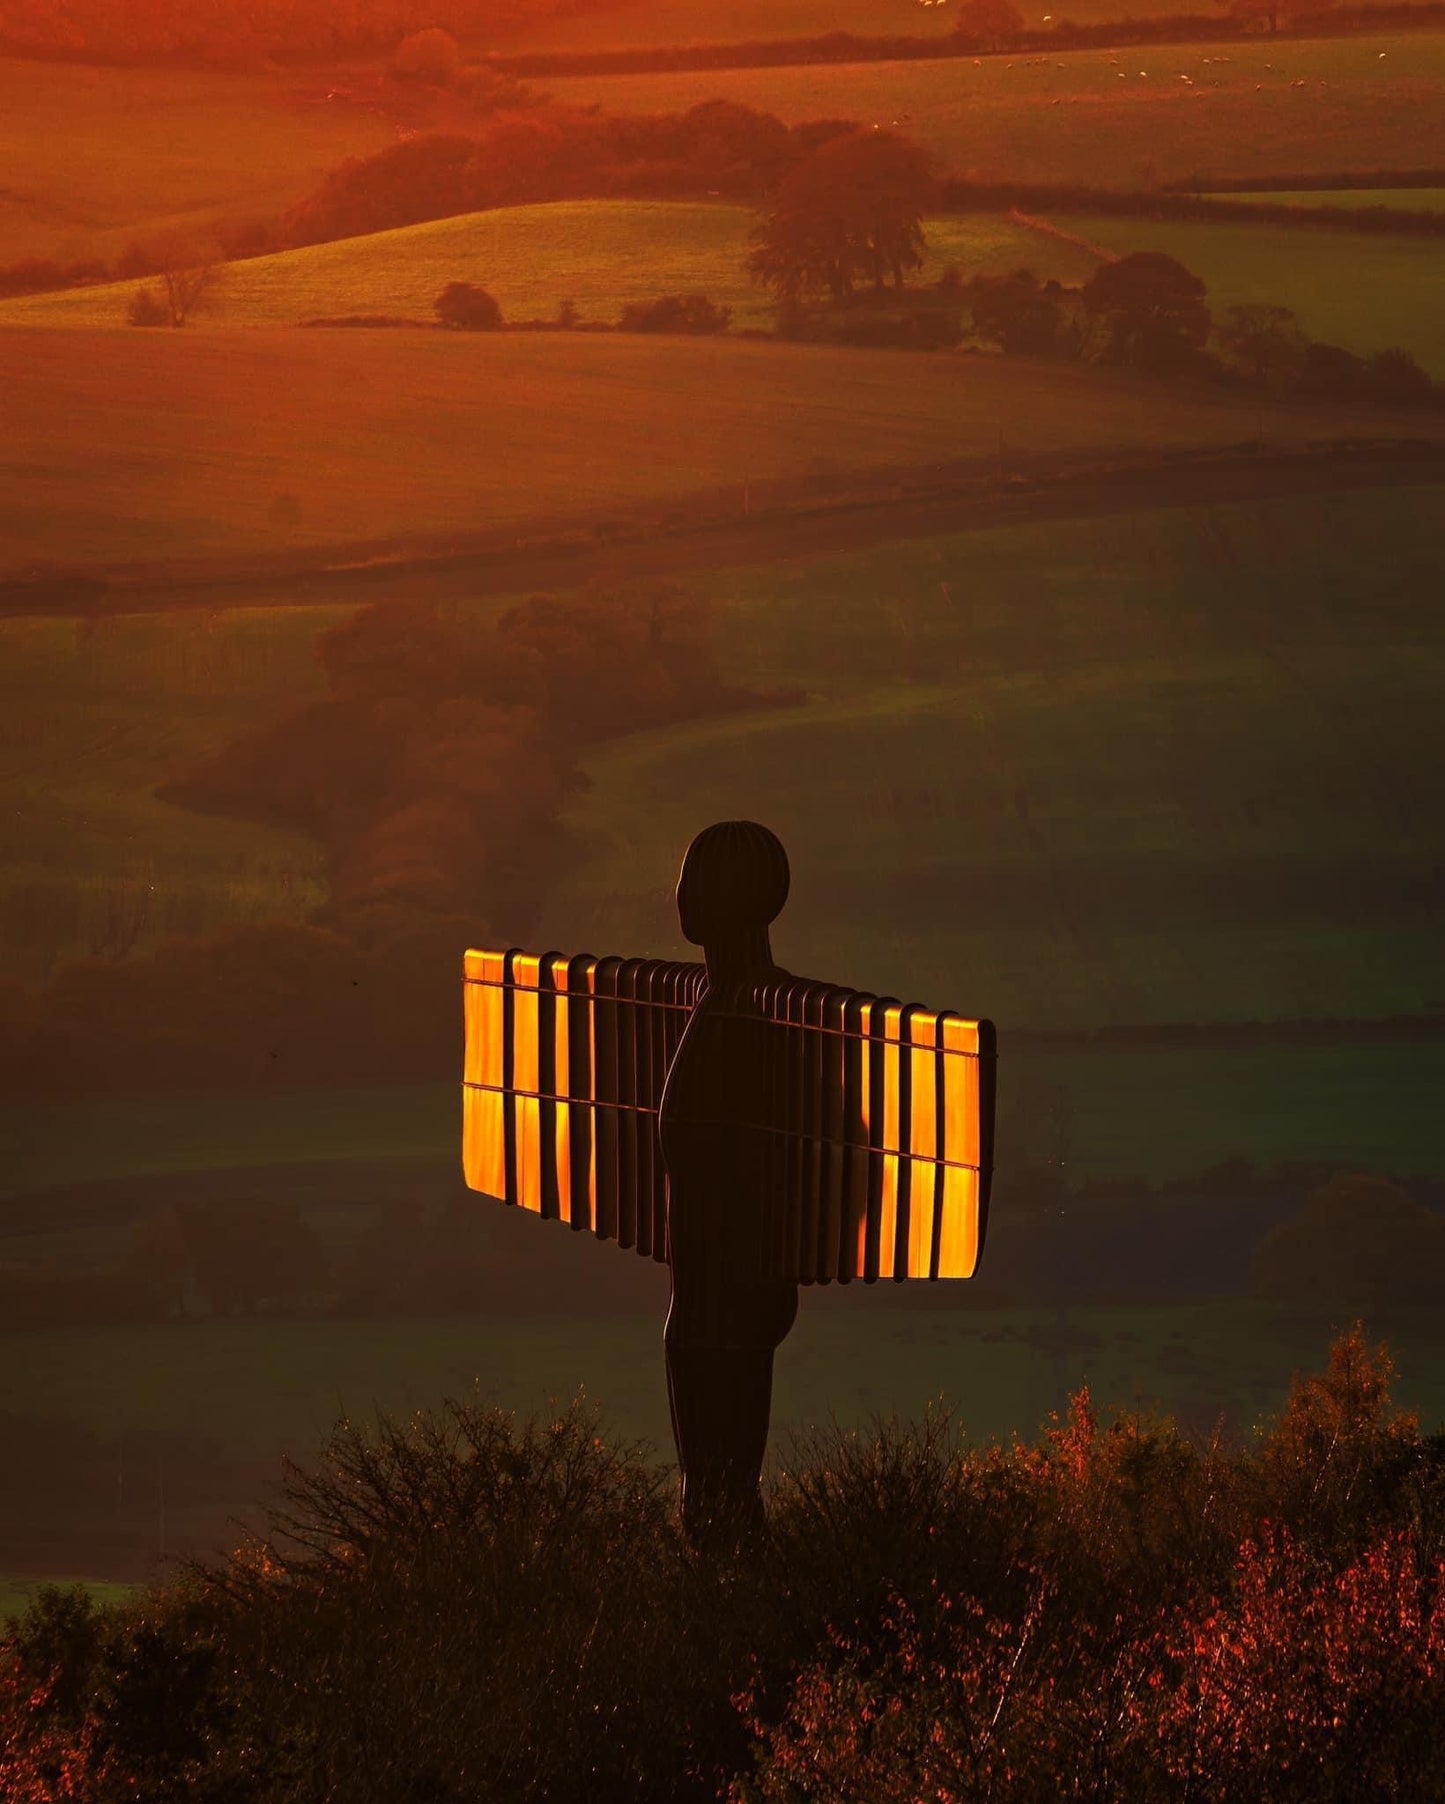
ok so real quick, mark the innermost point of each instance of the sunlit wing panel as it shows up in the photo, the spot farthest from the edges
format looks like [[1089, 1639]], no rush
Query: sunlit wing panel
[[879, 1116], [563, 1071], [882, 1118]]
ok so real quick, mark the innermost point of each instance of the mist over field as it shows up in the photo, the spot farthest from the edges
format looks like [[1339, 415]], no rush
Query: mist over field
[[449, 456]]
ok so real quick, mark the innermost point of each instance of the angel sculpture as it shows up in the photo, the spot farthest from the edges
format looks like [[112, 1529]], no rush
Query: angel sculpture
[[753, 1130]]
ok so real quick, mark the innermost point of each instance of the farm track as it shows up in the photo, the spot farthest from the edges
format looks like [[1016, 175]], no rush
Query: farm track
[[777, 521]]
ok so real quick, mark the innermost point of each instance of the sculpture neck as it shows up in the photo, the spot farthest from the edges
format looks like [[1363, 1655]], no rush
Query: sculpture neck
[[743, 957]]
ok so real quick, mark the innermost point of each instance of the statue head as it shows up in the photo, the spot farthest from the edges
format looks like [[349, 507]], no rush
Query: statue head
[[734, 882]]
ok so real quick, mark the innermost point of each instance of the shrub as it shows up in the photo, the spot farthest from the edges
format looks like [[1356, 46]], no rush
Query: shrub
[[464, 1605], [147, 308], [1395, 379], [533, 1597], [429, 56], [463, 307], [1151, 310], [1330, 372], [1016, 312], [690, 313]]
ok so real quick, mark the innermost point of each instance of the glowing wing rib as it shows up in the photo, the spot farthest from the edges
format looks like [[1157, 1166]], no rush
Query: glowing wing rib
[[564, 1066]]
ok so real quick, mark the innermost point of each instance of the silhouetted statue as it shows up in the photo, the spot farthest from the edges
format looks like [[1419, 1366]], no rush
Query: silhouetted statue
[[753, 1130], [728, 1313]]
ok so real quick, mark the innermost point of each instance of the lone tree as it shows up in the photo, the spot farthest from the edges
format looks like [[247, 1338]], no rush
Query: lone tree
[[463, 307], [187, 269], [1150, 309], [850, 210], [429, 56]]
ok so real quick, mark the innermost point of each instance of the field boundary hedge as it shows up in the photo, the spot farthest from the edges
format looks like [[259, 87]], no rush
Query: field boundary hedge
[[959, 194], [847, 47]]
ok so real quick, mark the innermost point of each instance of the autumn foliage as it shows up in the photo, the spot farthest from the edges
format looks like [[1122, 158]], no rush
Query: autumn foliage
[[1114, 1612]]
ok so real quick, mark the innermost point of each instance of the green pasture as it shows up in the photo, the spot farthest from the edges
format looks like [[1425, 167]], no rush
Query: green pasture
[[260, 1389], [1117, 119], [1392, 200], [99, 714], [598, 254], [1171, 766], [1158, 743], [640, 24], [1158, 1113], [94, 158], [1367, 293], [48, 1145]]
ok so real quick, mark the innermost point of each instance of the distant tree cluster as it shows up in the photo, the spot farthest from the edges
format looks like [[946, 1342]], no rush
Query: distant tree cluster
[[849, 211], [539, 153], [1146, 311]]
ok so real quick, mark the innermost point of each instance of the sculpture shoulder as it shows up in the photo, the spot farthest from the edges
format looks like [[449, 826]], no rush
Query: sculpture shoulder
[[719, 1063]]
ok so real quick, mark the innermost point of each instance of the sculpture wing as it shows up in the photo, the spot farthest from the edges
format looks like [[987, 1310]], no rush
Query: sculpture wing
[[564, 1068], [881, 1116]]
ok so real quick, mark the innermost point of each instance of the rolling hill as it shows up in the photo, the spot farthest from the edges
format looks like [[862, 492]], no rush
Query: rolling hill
[[599, 254]]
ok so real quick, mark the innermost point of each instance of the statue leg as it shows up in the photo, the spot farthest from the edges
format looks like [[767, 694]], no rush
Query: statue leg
[[721, 1401]]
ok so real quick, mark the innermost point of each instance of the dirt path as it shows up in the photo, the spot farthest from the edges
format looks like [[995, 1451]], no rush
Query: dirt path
[[904, 504]]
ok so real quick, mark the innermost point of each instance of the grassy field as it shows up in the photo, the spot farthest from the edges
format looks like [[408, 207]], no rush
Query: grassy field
[[1366, 293], [634, 24], [1123, 119], [100, 714], [1156, 1113], [1158, 767], [127, 446], [262, 1388], [1394, 200], [1142, 768], [47, 1145], [602, 254], [91, 158], [598, 254], [641, 24], [146, 150]]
